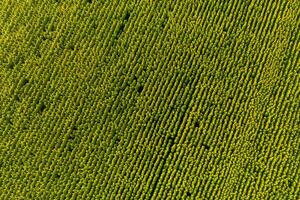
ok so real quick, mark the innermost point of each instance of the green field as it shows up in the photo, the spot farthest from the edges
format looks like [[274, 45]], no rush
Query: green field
[[159, 99]]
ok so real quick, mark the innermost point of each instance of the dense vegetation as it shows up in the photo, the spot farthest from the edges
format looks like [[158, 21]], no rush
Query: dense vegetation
[[149, 99]]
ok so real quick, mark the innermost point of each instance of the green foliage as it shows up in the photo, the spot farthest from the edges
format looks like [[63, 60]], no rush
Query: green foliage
[[149, 100]]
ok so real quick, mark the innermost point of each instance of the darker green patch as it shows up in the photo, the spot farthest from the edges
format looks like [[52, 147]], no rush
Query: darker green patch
[[8, 120], [172, 107], [140, 88], [164, 22], [119, 31], [52, 27], [44, 38], [74, 128], [171, 138], [266, 114], [126, 16], [181, 118], [37, 53], [17, 98], [205, 146], [116, 140], [134, 78], [24, 81], [10, 65], [45, 23], [290, 183], [253, 75], [41, 107], [56, 175], [70, 148], [71, 47], [71, 137]]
